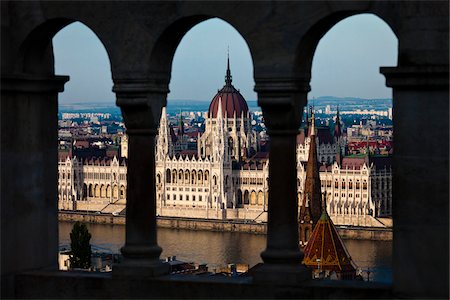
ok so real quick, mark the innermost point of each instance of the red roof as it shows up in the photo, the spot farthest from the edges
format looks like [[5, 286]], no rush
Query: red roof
[[232, 100], [326, 245]]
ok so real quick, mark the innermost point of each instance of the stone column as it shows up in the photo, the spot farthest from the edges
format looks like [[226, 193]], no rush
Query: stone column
[[282, 103], [29, 168], [420, 191], [141, 102]]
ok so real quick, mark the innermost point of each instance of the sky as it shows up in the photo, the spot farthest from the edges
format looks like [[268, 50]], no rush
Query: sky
[[346, 62]]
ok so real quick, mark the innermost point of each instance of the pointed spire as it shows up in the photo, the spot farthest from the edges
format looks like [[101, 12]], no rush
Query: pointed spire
[[181, 124], [312, 122], [337, 125], [228, 75]]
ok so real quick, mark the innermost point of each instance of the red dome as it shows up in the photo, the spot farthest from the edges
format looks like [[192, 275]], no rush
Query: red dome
[[232, 100]]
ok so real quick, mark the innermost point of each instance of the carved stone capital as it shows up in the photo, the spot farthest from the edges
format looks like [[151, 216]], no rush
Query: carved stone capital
[[282, 101], [416, 77], [141, 102], [33, 84]]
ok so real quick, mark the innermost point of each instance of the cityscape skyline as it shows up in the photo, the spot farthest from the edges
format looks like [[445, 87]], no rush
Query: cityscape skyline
[[340, 67]]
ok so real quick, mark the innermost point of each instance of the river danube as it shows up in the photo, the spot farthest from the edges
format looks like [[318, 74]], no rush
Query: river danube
[[220, 248]]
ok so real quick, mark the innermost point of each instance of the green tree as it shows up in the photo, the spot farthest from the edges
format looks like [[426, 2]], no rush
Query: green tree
[[80, 237]]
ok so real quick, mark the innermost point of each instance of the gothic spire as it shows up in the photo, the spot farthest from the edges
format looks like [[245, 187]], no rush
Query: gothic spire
[[228, 75], [337, 125], [312, 195]]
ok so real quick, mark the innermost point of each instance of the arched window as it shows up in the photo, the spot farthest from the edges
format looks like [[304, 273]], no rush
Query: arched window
[[246, 197], [122, 192], [215, 180], [260, 198], [239, 196], [85, 191], [91, 191], [364, 185], [168, 176], [200, 177], [174, 176], [158, 178], [193, 177], [206, 177]]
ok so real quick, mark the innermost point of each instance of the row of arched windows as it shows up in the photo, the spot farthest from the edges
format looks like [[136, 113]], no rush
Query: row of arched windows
[[104, 191], [250, 197], [186, 177]]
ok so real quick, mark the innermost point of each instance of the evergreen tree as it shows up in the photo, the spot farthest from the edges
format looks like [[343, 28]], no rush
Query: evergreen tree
[[80, 237]]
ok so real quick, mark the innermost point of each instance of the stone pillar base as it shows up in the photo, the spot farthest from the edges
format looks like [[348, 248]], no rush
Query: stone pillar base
[[141, 268], [282, 274]]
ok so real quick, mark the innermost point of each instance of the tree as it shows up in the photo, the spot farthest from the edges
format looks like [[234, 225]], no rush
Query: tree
[[80, 237]]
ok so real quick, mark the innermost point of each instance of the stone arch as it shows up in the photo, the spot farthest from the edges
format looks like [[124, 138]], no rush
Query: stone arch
[[307, 46], [35, 55], [169, 38]]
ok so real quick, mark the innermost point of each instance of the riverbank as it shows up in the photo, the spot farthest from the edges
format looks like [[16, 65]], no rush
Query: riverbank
[[346, 232]]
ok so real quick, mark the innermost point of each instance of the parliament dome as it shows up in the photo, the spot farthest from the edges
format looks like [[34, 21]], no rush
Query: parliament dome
[[232, 100]]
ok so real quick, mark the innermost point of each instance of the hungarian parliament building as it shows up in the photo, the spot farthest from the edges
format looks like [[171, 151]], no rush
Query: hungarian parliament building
[[226, 177]]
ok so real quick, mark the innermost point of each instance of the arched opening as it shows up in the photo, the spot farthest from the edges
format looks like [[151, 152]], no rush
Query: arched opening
[[168, 176], [85, 191], [343, 54], [239, 197], [158, 178], [246, 197], [123, 192], [260, 198], [108, 191], [253, 198], [102, 191]]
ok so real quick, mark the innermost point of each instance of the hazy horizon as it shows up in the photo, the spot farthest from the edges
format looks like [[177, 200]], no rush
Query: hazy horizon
[[346, 62]]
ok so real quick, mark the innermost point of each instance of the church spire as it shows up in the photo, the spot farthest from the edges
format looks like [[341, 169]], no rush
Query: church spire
[[312, 195], [228, 75], [313, 129], [337, 125]]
